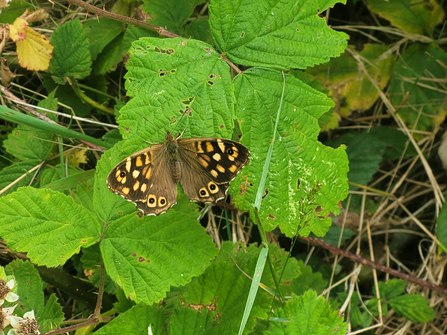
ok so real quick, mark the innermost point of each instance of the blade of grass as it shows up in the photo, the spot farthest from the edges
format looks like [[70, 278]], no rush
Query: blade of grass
[[260, 264], [16, 117]]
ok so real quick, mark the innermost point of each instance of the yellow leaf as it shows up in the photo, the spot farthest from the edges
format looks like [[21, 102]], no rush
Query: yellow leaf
[[77, 157], [34, 51], [17, 30]]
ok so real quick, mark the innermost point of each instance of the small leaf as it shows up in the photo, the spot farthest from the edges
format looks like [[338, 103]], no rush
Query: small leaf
[[34, 51], [308, 315], [392, 288], [170, 14], [46, 224], [29, 285], [71, 55], [14, 171], [100, 33], [26, 142], [414, 307]]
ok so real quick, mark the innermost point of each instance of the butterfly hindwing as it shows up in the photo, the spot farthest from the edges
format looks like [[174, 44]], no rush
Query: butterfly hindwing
[[142, 179]]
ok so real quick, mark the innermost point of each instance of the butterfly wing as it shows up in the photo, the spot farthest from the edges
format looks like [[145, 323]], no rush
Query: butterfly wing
[[208, 165], [144, 179]]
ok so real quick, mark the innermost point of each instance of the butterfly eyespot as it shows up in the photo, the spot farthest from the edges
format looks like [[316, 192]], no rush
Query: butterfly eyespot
[[203, 192], [122, 174], [213, 187], [230, 151], [162, 201], [151, 201]]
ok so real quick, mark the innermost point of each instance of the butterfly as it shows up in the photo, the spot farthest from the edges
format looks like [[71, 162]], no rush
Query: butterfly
[[203, 166]]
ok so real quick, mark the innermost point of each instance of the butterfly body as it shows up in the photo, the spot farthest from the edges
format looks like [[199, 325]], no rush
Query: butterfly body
[[203, 166]]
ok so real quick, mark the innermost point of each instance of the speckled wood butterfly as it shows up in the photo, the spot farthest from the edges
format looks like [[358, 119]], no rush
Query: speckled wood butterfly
[[204, 167]]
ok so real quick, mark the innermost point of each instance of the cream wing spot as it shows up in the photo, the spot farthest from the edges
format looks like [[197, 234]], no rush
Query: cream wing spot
[[214, 173], [220, 168], [221, 145], [135, 173], [143, 188], [136, 185], [146, 158], [125, 190], [128, 164], [123, 181], [217, 156]]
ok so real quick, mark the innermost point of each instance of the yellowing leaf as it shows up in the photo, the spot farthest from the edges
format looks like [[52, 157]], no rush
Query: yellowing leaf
[[17, 30], [77, 156], [34, 51]]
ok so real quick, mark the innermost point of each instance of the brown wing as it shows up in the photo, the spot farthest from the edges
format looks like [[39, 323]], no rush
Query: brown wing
[[208, 165], [144, 178]]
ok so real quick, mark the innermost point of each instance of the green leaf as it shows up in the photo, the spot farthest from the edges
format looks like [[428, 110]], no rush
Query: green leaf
[[199, 30], [441, 225], [71, 55], [147, 255], [110, 56], [307, 280], [365, 151], [137, 320], [419, 73], [414, 307], [409, 15], [176, 79], [26, 142], [299, 163], [63, 184], [333, 235], [307, 315], [281, 34], [52, 315], [100, 33], [14, 10], [46, 224], [83, 195], [392, 288], [11, 173], [29, 285], [219, 309], [170, 14]]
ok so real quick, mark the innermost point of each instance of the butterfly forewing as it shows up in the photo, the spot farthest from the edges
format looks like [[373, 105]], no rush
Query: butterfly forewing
[[208, 165]]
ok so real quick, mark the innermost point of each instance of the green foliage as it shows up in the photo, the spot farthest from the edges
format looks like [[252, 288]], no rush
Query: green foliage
[[417, 74], [409, 15], [223, 81], [71, 56]]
